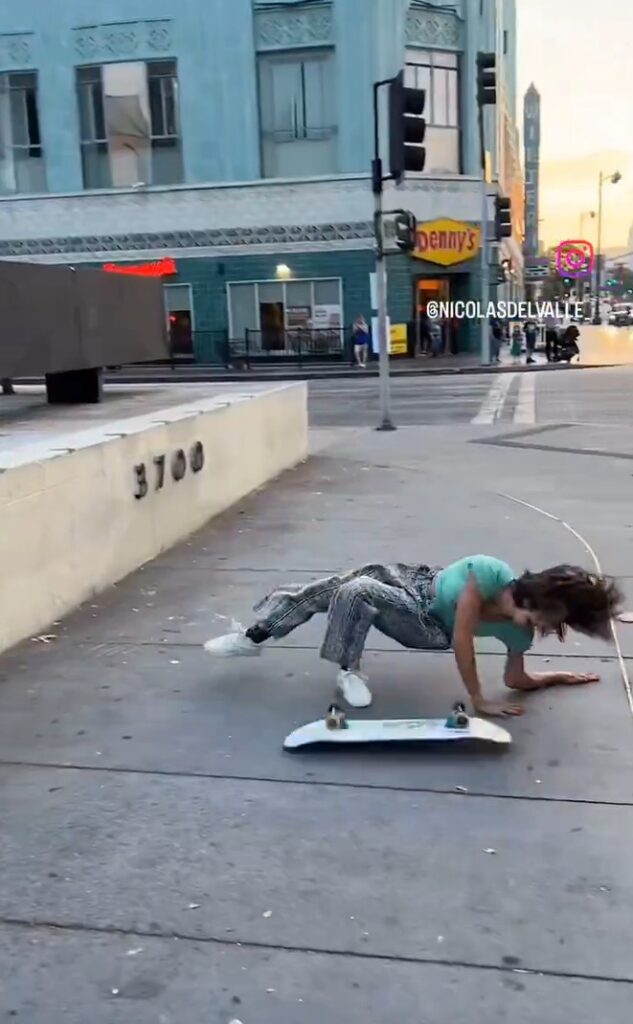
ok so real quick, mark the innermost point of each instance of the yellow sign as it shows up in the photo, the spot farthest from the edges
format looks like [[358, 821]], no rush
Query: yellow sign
[[488, 167], [447, 241], [398, 340]]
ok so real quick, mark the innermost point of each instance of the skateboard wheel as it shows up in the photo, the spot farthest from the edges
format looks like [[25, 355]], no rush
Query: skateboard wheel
[[335, 718], [461, 720]]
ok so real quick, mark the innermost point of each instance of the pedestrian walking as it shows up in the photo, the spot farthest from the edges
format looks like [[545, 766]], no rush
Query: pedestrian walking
[[360, 338], [531, 332], [496, 337], [424, 608], [516, 345], [437, 338], [551, 338], [426, 335]]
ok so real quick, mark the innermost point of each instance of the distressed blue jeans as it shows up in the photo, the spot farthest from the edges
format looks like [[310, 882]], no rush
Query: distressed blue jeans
[[395, 599]]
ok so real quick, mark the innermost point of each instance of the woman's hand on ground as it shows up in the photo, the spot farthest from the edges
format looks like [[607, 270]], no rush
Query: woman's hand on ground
[[497, 708], [571, 678], [539, 681]]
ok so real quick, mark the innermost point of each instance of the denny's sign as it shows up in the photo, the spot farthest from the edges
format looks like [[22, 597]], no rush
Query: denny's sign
[[446, 241]]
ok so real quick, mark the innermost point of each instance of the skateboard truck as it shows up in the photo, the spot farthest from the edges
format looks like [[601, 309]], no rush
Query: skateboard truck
[[335, 718], [458, 718]]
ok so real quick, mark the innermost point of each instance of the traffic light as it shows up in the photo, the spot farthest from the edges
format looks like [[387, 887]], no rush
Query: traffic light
[[407, 128], [503, 218], [486, 79], [406, 229]]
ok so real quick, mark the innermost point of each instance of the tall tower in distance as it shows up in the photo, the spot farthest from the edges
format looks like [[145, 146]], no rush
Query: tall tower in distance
[[531, 144]]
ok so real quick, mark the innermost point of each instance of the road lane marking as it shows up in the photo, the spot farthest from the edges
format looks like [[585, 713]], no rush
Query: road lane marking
[[493, 403], [525, 411]]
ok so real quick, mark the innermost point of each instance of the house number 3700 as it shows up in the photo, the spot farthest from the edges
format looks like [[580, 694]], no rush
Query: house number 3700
[[177, 466]]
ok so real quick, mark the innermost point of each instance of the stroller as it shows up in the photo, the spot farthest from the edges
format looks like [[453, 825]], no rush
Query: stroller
[[567, 347]]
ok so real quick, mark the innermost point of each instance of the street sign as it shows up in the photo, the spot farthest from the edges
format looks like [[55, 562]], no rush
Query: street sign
[[535, 273]]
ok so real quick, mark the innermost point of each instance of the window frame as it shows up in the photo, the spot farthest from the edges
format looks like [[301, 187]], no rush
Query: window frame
[[283, 282], [28, 149], [301, 56], [189, 287], [156, 140], [433, 60]]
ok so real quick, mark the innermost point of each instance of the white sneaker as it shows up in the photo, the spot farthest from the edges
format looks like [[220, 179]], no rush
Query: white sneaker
[[353, 688], [233, 645]]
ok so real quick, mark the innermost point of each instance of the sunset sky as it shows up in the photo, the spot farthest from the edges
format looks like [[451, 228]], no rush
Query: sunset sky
[[580, 57]]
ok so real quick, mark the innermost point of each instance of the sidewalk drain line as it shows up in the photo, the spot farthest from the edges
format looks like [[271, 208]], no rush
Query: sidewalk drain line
[[366, 787], [626, 682], [351, 954]]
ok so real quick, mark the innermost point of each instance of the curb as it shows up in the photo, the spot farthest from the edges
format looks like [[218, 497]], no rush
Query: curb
[[178, 377]]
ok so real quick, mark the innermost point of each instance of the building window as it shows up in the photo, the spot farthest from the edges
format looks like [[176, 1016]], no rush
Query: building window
[[286, 317], [129, 124], [180, 325], [438, 74], [21, 155], [298, 126]]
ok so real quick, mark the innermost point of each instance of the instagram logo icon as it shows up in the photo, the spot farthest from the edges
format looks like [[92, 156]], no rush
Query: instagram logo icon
[[575, 258]]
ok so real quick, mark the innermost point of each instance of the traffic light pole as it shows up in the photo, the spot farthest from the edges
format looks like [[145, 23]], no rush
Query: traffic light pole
[[386, 422], [485, 269]]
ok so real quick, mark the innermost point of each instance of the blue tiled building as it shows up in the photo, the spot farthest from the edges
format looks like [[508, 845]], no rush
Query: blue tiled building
[[227, 144]]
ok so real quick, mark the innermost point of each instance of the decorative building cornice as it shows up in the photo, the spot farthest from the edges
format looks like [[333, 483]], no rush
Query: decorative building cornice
[[122, 40], [287, 27], [16, 51], [437, 28], [174, 240]]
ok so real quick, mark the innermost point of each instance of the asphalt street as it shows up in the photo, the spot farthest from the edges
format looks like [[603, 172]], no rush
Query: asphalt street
[[416, 401], [163, 861], [581, 396]]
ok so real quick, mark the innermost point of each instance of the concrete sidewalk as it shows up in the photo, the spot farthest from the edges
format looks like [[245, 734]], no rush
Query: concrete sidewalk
[[464, 363], [163, 860]]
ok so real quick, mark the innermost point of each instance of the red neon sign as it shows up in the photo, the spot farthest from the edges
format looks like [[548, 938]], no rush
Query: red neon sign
[[162, 268]]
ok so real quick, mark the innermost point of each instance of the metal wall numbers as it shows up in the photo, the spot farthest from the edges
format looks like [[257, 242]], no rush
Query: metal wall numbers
[[178, 465]]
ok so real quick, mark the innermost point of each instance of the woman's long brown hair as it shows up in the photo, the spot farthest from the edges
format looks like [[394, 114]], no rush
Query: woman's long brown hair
[[569, 596]]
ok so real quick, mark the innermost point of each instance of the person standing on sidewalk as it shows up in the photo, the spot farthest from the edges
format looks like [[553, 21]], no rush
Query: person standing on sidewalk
[[551, 337], [516, 345], [360, 338], [496, 337], [433, 610], [531, 331]]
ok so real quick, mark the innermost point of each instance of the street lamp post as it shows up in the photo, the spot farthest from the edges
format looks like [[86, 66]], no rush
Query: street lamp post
[[614, 179], [581, 283]]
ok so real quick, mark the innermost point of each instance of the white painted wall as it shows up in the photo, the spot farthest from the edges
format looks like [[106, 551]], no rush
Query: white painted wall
[[71, 525]]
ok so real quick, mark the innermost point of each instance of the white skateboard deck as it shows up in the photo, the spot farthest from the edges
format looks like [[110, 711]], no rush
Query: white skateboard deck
[[384, 730]]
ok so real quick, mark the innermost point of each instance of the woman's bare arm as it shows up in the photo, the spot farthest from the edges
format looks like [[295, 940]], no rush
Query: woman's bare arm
[[467, 616]]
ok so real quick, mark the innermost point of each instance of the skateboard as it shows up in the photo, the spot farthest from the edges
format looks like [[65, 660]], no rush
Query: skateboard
[[336, 727]]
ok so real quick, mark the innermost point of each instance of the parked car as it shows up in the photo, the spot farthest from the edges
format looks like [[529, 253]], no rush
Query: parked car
[[621, 315]]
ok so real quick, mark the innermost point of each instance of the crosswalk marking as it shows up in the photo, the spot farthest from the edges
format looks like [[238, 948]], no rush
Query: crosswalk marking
[[525, 411], [493, 403]]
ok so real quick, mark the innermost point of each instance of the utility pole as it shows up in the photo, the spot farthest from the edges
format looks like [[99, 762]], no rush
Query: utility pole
[[407, 128], [486, 96], [614, 179], [386, 422]]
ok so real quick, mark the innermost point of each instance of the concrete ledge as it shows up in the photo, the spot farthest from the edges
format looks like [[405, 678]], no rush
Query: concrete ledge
[[78, 513]]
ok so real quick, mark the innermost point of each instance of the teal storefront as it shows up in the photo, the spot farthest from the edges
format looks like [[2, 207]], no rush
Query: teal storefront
[[216, 305]]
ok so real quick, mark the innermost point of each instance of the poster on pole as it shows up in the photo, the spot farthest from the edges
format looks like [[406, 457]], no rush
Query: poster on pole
[[375, 346], [397, 334]]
